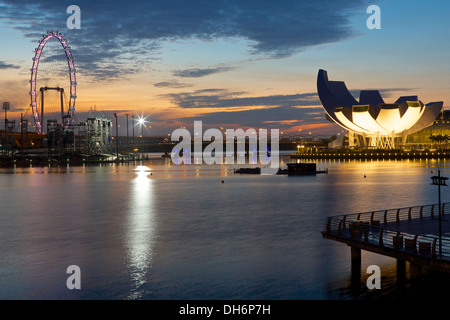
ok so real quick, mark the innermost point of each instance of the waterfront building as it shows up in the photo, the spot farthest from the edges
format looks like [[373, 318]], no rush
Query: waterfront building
[[96, 133], [371, 122]]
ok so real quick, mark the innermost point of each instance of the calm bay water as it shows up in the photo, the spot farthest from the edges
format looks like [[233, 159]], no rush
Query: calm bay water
[[160, 231]]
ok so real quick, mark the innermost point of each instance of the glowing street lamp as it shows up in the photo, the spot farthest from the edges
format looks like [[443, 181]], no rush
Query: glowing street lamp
[[132, 142], [128, 141], [141, 121]]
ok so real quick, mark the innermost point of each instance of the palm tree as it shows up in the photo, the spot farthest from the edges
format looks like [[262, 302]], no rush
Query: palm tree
[[439, 138], [433, 138], [445, 138]]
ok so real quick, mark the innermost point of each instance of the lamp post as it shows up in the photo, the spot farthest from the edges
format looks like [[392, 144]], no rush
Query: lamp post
[[128, 142], [439, 181], [117, 138], [142, 135], [132, 142], [6, 108], [22, 130], [141, 122]]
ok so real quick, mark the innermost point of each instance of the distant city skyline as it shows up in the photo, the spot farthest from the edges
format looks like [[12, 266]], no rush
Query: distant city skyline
[[235, 64]]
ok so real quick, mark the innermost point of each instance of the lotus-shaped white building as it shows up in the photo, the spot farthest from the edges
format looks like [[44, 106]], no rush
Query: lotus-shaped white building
[[370, 121]]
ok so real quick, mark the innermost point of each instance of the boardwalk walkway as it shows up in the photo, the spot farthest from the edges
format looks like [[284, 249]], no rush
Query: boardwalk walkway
[[407, 234]]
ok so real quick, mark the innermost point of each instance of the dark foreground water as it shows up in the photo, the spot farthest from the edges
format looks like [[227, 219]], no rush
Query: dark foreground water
[[160, 231]]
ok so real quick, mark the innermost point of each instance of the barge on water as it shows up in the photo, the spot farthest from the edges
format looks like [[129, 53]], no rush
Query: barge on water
[[248, 170], [293, 169], [300, 169]]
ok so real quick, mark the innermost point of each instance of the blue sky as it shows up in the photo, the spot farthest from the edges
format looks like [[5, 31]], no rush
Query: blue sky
[[231, 63]]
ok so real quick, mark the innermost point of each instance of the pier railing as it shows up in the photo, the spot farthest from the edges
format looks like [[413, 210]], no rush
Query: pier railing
[[370, 228]]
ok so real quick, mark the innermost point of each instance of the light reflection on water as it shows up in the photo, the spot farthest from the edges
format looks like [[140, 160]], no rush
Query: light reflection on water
[[141, 229], [161, 231]]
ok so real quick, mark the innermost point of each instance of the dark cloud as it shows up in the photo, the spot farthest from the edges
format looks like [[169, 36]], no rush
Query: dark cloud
[[278, 111], [199, 72], [116, 37], [4, 65], [283, 117], [220, 98], [171, 84]]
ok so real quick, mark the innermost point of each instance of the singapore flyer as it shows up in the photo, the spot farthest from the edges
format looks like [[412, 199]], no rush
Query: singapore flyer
[[39, 88]]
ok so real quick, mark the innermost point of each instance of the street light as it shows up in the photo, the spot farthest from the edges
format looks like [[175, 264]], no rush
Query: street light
[[128, 141], [142, 135], [117, 138], [132, 142], [141, 122], [6, 108], [439, 181]]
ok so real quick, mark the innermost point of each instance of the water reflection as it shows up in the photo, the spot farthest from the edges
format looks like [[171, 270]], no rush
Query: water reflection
[[141, 231], [253, 237]]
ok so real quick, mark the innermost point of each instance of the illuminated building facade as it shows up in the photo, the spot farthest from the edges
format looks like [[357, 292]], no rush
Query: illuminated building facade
[[440, 126], [370, 121]]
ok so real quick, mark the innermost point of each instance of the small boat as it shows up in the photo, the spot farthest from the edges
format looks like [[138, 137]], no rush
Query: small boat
[[248, 170], [297, 169]]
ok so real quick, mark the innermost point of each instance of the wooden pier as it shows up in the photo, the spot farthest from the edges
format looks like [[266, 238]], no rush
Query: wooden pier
[[408, 234]]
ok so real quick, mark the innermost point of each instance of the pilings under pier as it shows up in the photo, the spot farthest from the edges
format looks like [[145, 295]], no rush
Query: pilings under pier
[[415, 270], [355, 254], [401, 269]]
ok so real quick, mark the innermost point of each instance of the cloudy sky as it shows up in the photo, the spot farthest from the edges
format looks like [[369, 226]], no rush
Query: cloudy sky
[[230, 63]]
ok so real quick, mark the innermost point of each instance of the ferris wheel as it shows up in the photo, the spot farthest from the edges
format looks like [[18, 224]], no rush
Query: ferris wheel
[[46, 83]]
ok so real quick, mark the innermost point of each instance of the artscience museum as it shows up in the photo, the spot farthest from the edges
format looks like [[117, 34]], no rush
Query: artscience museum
[[371, 122]]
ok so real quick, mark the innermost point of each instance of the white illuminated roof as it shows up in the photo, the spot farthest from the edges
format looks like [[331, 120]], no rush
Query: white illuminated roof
[[388, 121], [389, 117], [363, 119], [347, 123], [410, 117]]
